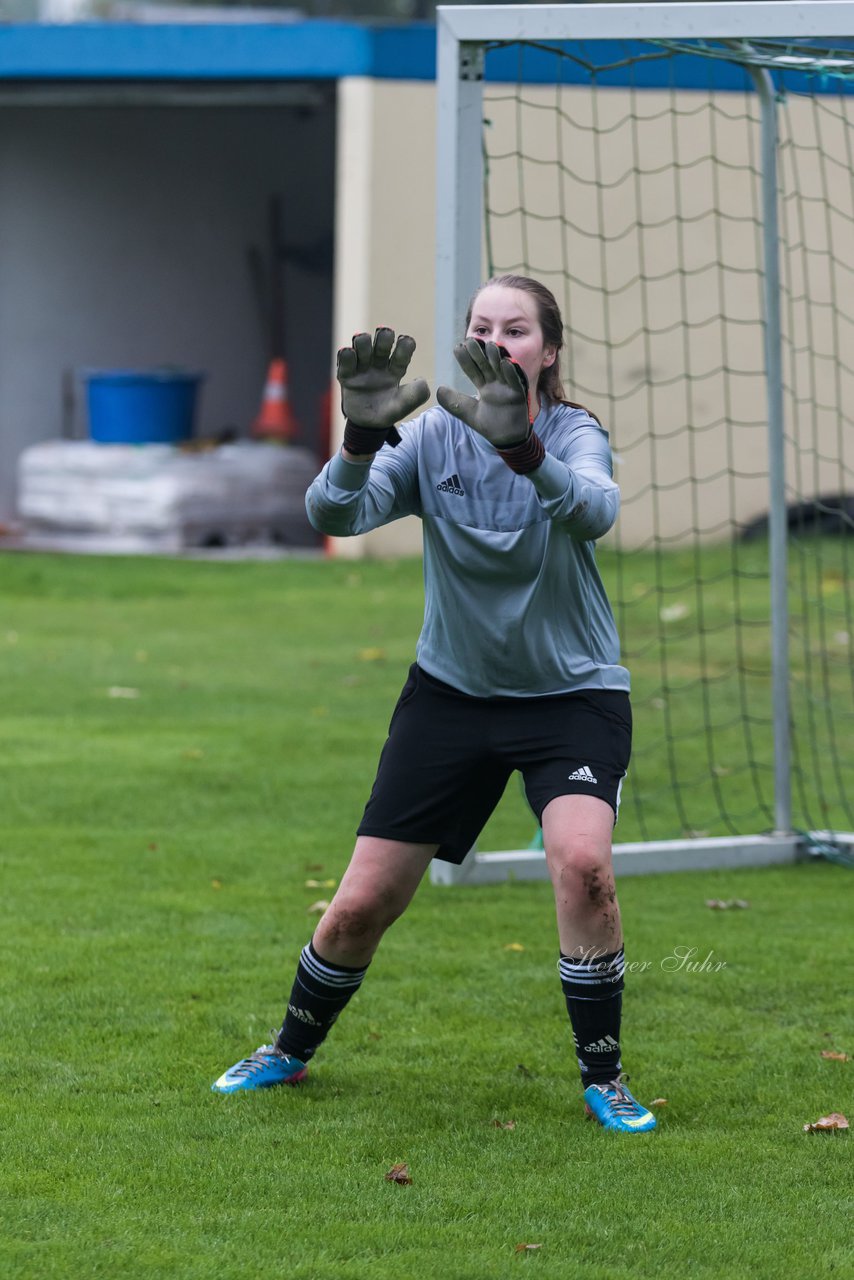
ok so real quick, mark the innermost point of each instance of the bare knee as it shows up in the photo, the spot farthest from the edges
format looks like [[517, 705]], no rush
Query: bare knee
[[376, 888], [583, 869], [358, 920]]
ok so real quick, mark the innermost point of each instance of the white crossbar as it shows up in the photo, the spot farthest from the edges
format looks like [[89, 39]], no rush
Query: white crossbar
[[820, 18]]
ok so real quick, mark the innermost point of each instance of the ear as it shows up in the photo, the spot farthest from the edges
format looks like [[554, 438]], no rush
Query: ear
[[549, 356]]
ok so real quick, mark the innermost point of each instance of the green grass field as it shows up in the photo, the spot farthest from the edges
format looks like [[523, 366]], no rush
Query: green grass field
[[184, 746]]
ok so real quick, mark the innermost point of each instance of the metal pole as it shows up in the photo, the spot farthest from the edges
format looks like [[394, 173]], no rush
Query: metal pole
[[777, 522], [459, 190], [459, 223]]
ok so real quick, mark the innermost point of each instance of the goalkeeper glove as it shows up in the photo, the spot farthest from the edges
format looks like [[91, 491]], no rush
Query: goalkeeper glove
[[372, 398], [500, 413]]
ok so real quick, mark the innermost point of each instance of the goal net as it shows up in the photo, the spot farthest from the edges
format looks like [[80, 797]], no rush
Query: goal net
[[690, 202]]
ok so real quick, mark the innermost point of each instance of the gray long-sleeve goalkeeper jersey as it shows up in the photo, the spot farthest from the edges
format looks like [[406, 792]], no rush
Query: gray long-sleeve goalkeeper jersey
[[514, 605]]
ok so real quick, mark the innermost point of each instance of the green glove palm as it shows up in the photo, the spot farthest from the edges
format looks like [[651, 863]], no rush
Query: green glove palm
[[370, 373], [500, 413]]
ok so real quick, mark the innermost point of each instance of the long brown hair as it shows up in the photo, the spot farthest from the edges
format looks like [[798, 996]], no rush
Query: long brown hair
[[549, 383]]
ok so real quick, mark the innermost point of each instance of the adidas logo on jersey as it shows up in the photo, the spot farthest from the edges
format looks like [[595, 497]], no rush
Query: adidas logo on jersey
[[453, 484], [583, 774], [602, 1046]]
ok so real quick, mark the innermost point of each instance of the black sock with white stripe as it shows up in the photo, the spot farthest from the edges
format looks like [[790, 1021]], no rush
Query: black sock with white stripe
[[320, 992], [593, 986]]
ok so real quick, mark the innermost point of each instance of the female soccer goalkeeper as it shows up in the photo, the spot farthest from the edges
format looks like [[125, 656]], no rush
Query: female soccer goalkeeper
[[517, 664]]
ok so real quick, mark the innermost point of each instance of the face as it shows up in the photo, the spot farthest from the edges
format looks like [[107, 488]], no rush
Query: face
[[509, 318]]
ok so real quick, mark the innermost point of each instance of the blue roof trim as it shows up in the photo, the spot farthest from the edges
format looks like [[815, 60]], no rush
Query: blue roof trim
[[405, 53], [631, 63], [327, 50], [628, 61], [260, 51]]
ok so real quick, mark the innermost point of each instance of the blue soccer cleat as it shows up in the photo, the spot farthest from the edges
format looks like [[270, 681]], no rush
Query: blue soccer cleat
[[264, 1068], [615, 1108]]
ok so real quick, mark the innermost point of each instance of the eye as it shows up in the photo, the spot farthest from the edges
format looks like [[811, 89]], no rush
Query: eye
[[516, 333], [479, 328]]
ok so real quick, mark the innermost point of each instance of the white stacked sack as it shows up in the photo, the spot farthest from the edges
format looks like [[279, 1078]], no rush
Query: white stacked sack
[[163, 497]]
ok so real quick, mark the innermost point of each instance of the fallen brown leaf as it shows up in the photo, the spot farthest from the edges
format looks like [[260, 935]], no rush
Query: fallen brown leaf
[[371, 655], [317, 908], [658, 1102], [526, 1248], [520, 1067], [837, 1057], [721, 904], [399, 1173], [834, 1121], [216, 884], [320, 884], [514, 946], [503, 1124]]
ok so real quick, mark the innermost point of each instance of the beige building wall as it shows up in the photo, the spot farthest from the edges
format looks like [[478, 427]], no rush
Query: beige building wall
[[662, 298], [385, 242]]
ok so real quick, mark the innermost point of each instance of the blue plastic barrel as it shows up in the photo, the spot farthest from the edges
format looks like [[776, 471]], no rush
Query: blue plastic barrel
[[142, 406]]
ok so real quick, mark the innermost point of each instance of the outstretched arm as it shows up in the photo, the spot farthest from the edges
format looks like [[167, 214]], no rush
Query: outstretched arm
[[574, 483], [574, 486], [353, 493]]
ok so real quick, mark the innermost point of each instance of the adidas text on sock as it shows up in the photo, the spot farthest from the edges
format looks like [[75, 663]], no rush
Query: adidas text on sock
[[320, 992], [593, 987]]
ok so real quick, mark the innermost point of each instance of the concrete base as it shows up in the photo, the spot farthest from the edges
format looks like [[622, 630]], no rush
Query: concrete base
[[648, 858]]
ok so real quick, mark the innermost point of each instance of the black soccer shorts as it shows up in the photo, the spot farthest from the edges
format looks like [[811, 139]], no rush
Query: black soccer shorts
[[448, 756]]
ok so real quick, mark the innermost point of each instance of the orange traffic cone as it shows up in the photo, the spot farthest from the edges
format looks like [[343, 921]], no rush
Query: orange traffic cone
[[275, 419]]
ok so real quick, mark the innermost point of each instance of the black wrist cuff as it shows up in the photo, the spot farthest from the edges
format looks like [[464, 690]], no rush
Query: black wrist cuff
[[525, 456], [368, 439]]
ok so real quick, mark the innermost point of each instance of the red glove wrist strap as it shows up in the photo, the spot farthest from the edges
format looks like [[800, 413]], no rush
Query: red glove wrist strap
[[367, 439], [526, 456]]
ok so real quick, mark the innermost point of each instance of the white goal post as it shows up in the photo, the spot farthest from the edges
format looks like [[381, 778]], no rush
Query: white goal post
[[464, 33]]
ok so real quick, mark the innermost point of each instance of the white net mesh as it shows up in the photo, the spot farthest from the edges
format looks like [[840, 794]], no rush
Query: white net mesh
[[628, 180]]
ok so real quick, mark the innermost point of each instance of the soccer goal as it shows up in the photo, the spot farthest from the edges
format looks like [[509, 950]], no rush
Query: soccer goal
[[682, 176]]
